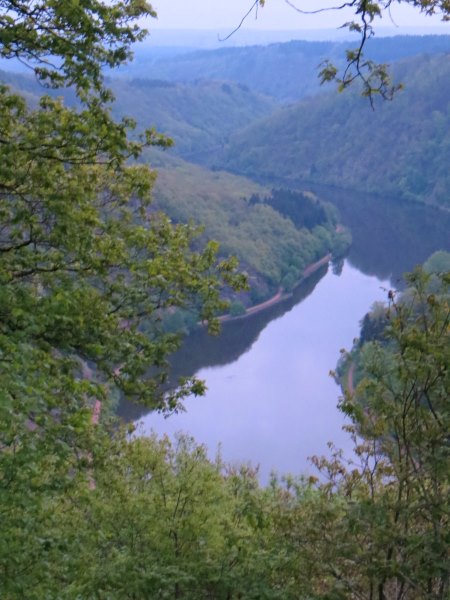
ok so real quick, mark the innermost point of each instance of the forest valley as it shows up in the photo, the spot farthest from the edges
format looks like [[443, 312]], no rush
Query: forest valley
[[92, 270]]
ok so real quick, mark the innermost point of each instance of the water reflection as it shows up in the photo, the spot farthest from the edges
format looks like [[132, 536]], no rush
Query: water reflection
[[201, 350], [269, 398], [276, 405], [390, 236]]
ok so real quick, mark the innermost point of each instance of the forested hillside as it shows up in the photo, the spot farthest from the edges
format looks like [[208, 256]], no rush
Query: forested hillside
[[400, 148], [287, 71], [199, 116], [90, 266], [273, 245], [324, 139]]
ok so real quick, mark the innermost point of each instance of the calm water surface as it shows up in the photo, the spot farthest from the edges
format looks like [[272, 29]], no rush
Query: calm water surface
[[270, 399], [276, 404]]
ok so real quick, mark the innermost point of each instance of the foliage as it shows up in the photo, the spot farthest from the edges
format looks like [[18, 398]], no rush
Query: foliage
[[268, 246], [403, 510], [236, 308], [83, 259], [439, 262], [192, 523], [303, 209], [373, 324], [156, 519], [374, 77], [267, 242], [85, 264], [161, 521], [377, 526], [70, 43]]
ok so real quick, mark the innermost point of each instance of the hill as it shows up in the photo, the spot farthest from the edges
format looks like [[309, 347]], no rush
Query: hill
[[271, 248], [401, 148], [286, 71], [249, 221], [199, 116]]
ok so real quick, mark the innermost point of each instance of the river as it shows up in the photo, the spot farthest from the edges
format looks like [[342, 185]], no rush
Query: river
[[270, 398]]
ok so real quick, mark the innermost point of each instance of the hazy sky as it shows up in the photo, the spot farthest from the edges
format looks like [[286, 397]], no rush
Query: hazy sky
[[276, 15]]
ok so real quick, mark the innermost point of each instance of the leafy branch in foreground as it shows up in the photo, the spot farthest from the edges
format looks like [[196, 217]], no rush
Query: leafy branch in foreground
[[394, 541], [87, 268], [374, 77]]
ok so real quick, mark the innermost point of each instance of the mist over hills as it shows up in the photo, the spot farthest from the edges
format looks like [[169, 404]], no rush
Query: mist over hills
[[228, 109], [286, 71], [199, 115]]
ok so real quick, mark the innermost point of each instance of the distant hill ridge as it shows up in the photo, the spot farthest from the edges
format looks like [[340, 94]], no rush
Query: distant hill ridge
[[402, 148], [287, 71], [199, 116]]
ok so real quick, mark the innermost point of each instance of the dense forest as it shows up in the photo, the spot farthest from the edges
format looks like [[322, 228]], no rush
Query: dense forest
[[273, 248], [287, 72], [323, 139], [223, 120], [401, 148], [198, 115], [98, 253]]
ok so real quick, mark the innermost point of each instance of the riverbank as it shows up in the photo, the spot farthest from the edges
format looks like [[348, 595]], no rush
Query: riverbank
[[279, 296]]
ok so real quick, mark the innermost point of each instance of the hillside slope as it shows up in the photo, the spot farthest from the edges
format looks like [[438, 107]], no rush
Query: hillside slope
[[286, 71], [401, 148], [272, 249], [238, 213], [198, 116]]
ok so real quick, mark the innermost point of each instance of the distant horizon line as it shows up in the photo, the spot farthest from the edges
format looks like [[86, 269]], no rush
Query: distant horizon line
[[244, 36], [297, 29]]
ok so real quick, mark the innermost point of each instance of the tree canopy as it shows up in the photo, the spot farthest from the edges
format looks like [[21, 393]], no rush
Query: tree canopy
[[84, 259], [150, 518], [86, 264]]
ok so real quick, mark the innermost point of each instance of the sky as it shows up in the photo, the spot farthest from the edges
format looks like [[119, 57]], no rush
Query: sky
[[276, 15]]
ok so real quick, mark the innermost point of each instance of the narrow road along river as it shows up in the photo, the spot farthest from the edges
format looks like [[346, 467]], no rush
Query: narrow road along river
[[276, 404]]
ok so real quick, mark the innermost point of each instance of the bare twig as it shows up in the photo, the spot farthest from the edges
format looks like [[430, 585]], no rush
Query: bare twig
[[254, 7]]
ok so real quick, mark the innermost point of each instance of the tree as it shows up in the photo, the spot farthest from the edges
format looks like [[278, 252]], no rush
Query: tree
[[79, 242], [384, 517], [87, 267]]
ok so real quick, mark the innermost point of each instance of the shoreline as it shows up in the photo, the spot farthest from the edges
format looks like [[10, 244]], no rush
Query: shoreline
[[279, 296]]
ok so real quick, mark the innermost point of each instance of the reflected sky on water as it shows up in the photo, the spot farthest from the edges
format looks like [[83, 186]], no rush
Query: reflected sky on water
[[276, 405], [270, 399]]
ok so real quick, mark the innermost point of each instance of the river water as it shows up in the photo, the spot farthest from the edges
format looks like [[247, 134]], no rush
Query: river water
[[276, 404], [270, 398]]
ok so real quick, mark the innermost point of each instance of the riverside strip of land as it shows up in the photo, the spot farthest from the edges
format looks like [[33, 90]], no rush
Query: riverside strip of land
[[280, 295]]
